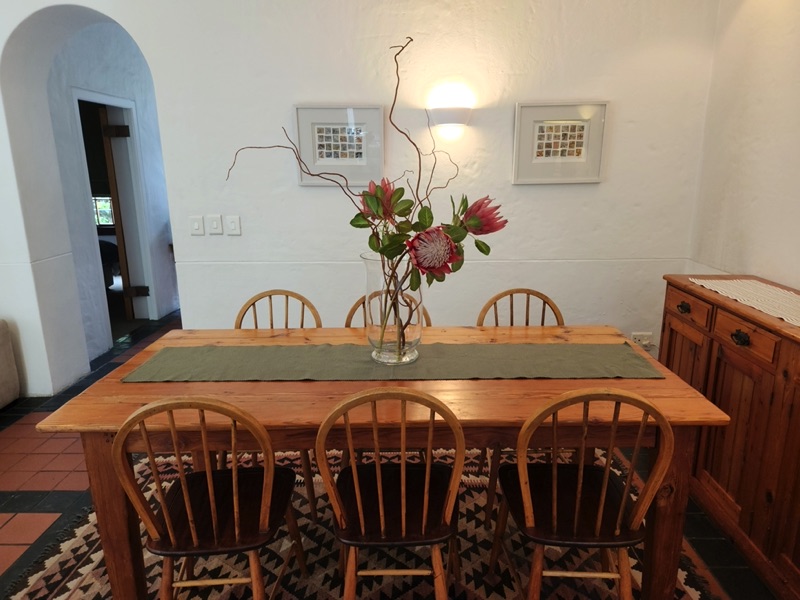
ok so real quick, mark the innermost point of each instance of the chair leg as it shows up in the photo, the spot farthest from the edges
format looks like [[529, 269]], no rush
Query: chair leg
[[256, 576], [167, 577], [624, 566], [294, 533], [350, 575], [308, 476], [499, 531], [491, 489], [439, 580], [454, 559], [537, 566]]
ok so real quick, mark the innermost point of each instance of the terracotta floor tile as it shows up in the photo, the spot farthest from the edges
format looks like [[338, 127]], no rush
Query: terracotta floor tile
[[6, 442], [63, 462], [25, 528], [26, 445], [12, 480], [42, 481], [4, 517], [32, 462], [77, 481], [52, 445], [34, 417], [21, 430], [70, 436], [8, 555], [76, 447], [9, 461]]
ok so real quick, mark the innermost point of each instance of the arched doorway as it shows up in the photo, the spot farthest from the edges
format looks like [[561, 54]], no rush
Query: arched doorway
[[55, 58]]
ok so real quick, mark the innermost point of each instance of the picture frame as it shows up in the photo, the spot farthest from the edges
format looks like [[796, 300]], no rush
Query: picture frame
[[558, 142], [345, 139]]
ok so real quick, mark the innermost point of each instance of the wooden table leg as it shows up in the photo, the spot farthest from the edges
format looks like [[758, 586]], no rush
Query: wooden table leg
[[117, 521], [664, 541]]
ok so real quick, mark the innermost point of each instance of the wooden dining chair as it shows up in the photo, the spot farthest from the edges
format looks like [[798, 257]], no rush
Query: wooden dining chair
[[513, 307], [273, 305], [277, 309], [361, 305], [571, 502], [208, 510], [396, 500], [520, 306]]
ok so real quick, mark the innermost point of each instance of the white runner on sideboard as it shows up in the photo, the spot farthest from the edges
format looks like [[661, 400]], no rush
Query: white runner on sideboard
[[767, 298]]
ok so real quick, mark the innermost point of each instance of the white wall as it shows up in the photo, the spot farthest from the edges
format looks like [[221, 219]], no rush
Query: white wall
[[598, 250], [748, 213]]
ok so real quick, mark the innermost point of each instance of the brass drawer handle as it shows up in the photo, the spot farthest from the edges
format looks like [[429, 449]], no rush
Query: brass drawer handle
[[740, 338], [684, 308]]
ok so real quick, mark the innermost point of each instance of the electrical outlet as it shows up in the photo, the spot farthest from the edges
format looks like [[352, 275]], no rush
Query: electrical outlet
[[643, 338]]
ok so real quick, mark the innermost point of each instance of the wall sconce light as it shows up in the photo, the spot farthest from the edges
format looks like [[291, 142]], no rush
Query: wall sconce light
[[450, 116]]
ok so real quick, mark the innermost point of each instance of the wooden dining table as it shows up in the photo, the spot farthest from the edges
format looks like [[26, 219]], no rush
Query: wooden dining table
[[491, 412]]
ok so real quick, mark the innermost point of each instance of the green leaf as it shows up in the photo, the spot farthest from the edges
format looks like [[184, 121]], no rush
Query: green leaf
[[404, 227], [464, 205], [379, 192], [482, 247], [457, 234], [374, 243], [374, 205], [392, 251], [474, 222], [426, 217], [397, 195], [416, 279], [360, 221], [403, 208], [439, 276], [457, 265], [418, 227], [429, 279]]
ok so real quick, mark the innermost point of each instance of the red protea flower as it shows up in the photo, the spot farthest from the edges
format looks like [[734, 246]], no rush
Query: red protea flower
[[433, 251], [482, 218], [386, 200]]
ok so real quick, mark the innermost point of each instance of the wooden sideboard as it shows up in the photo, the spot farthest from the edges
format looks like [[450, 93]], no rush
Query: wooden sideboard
[[747, 475]]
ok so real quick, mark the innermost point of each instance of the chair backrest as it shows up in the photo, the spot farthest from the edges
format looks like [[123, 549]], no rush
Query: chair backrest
[[520, 306], [361, 305], [568, 421], [385, 418], [221, 426], [277, 308]]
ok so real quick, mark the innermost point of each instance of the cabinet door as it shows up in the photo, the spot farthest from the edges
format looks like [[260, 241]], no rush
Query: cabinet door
[[730, 461], [684, 351]]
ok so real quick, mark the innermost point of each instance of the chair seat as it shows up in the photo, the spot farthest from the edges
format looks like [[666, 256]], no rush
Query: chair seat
[[390, 477], [251, 481], [541, 486]]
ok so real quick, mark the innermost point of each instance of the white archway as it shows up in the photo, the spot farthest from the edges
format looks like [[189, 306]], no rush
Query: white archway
[[48, 263]]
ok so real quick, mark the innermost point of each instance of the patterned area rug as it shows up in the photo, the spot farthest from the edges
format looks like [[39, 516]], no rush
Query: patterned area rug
[[75, 569]]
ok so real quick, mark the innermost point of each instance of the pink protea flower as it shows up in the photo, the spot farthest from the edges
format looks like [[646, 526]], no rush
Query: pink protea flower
[[388, 189], [481, 217], [433, 251]]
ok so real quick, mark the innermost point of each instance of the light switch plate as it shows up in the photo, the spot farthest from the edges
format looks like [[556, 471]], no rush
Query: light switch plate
[[233, 225], [214, 224], [196, 226]]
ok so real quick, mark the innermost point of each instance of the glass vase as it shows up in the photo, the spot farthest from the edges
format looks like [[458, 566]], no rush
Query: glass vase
[[393, 312]]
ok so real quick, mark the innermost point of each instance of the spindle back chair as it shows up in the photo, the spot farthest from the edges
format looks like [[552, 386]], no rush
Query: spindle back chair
[[396, 499], [277, 311], [569, 501], [206, 510], [520, 306]]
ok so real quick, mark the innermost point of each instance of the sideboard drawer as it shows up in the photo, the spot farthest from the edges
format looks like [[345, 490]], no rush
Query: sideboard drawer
[[688, 307], [747, 338]]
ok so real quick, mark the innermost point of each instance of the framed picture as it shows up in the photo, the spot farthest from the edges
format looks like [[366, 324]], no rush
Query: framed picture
[[558, 142], [342, 139]]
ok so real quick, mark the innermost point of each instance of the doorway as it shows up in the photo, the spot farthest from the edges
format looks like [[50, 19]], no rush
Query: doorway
[[107, 212]]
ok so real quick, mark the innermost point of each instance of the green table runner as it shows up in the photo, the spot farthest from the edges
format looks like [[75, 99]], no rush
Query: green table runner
[[350, 362]]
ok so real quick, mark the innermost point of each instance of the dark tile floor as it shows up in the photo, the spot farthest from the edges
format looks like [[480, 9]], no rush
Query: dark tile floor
[[43, 484]]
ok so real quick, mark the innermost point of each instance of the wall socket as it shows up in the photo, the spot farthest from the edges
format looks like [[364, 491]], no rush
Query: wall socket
[[643, 338]]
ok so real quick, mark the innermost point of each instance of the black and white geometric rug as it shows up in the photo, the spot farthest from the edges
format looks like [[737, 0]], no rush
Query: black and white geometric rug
[[75, 568]]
